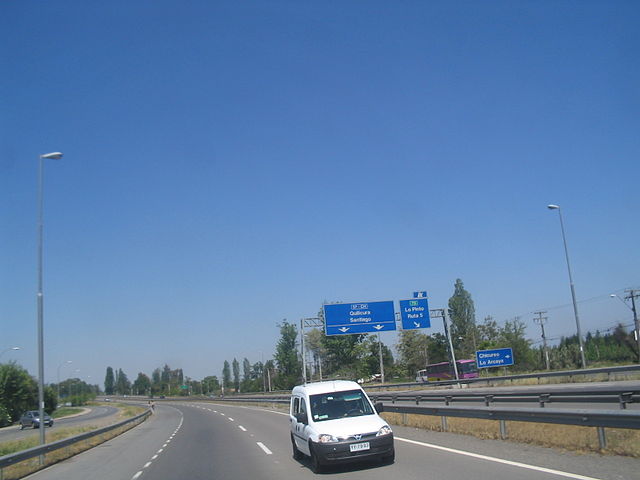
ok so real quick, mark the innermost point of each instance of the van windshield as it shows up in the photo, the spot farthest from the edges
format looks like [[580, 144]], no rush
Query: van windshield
[[334, 405]]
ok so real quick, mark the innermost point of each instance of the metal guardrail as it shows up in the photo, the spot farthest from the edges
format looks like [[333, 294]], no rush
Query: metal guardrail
[[17, 457], [600, 419], [538, 375], [620, 396]]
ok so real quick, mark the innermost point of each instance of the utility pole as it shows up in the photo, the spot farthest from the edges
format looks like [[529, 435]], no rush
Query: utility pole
[[541, 321], [633, 294]]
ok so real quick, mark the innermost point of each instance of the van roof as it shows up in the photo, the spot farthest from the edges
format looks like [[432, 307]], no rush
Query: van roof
[[325, 387]]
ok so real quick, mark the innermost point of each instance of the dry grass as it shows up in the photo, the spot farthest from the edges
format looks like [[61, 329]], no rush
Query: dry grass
[[574, 438]]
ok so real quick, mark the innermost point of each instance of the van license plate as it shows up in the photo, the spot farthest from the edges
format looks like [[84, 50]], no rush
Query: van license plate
[[358, 447]]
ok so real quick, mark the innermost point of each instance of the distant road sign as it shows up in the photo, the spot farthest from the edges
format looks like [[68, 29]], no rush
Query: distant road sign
[[419, 294], [359, 317], [499, 357], [415, 314]]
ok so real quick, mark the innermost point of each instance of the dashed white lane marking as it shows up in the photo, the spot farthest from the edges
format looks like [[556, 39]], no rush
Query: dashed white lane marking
[[137, 475], [146, 465], [154, 457], [499, 460], [222, 414], [231, 419], [242, 428], [160, 451], [264, 448]]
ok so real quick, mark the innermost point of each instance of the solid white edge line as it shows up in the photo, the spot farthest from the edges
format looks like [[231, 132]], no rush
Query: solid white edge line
[[499, 460], [264, 448]]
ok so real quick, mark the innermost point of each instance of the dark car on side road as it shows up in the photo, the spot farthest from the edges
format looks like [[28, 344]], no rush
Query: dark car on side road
[[32, 419]]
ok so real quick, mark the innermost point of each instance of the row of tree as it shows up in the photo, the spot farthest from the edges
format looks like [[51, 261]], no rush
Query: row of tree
[[357, 356]]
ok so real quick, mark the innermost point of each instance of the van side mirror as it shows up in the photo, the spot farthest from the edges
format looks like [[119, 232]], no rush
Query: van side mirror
[[301, 417], [379, 407]]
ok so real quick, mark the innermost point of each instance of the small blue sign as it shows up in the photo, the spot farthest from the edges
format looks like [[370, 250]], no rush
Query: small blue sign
[[499, 357], [360, 317], [419, 294], [415, 314]]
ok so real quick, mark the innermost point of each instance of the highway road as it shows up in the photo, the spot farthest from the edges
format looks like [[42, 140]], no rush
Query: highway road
[[231, 442], [95, 416]]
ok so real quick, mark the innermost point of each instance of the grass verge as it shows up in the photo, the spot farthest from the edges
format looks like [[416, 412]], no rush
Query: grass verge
[[568, 437], [66, 411]]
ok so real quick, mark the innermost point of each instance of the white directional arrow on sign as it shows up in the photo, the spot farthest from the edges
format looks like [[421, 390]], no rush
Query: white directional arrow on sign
[[378, 327], [416, 324], [344, 329]]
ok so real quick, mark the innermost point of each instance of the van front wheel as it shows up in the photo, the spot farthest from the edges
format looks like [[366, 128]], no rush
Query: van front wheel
[[316, 466]]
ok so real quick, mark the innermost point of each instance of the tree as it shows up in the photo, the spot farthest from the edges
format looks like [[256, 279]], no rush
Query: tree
[[513, 335], [109, 382], [416, 350], [210, 385], [314, 343], [287, 357], [343, 352], [18, 391], [463, 321], [226, 375], [236, 374], [142, 385], [123, 385], [370, 360], [413, 350]]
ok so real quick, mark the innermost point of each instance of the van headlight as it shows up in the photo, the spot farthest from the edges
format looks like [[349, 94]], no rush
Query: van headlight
[[386, 430], [326, 438]]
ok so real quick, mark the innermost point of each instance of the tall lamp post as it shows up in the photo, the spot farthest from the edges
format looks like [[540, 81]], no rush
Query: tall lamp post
[[40, 298], [573, 290]]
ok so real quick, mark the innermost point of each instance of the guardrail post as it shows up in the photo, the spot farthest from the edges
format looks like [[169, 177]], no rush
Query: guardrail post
[[624, 399], [503, 430], [445, 425], [602, 439], [405, 419]]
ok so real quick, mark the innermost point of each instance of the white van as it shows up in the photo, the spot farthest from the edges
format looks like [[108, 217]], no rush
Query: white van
[[334, 422]]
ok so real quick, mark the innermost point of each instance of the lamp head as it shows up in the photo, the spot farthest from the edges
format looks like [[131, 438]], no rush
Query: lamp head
[[52, 156], [553, 207]]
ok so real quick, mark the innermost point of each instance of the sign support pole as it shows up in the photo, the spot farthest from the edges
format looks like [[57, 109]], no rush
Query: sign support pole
[[381, 362]]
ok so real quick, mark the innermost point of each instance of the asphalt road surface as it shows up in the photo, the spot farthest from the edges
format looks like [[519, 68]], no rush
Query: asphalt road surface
[[96, 414], [228, 442]]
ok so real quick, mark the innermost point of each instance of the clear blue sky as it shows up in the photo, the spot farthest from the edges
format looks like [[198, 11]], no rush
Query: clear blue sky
[[231, 164]]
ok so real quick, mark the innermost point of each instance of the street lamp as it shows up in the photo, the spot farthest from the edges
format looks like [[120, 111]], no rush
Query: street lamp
[[39, 296], [636, 331], [7, 349], [573, 290], [63, 363]]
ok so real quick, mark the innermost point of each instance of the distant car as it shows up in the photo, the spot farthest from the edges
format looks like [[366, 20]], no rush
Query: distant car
[[32, 419]]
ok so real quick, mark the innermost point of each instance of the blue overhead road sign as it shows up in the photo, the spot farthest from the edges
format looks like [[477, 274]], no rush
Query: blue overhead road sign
[[499, 357], [360, 317], [415, 314]]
